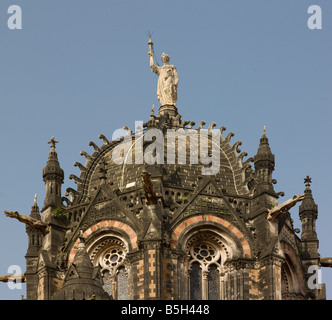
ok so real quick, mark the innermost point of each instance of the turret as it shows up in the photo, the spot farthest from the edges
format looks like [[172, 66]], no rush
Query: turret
[[308, 212], [35, 243], [82, 280], [53, 177], [35, 235], [264, 166]]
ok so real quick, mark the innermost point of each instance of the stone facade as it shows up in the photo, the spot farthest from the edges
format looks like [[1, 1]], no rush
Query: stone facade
[[146, 231]]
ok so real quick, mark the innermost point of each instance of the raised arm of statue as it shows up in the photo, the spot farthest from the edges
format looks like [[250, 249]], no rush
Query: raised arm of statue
[[154, 68]]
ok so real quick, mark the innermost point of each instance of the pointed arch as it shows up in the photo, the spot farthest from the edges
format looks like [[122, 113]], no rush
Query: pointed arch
[[292, 280], [226, 228]]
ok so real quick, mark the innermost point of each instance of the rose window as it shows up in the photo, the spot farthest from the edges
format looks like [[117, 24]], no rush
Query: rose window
[[113, 258], [204, 252]]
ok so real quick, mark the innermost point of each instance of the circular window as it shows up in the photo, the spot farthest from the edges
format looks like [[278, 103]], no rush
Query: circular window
[[112, 258], [204, 252]]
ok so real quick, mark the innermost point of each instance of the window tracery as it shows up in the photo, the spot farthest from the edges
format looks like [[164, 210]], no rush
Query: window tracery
[[111, 256], [206, 253]]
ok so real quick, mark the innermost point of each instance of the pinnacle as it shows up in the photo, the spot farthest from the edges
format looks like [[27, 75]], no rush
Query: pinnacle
[[308, 203], [35, 209], [81, 258], [264, 141], [307, 182]]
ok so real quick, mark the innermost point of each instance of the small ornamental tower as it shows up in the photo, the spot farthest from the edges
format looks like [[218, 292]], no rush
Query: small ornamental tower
[[35, 243], [35, 235], [264, 166], [53, 177], [308, 212], [83, 281]]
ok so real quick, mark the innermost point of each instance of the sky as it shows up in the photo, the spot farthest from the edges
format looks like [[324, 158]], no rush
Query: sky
[[80, 68]]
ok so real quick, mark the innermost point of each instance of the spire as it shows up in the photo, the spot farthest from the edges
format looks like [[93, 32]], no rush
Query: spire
[[264, 164], [264, 146], [83, 281], [308, 212], [53, 177], [35, 235], [81, 260], [35, 209]]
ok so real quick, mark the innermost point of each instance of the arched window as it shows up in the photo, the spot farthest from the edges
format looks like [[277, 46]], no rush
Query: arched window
[[122, 284], [290, 283], [196, 282], [111, 255], [206, 256], [213, 283]]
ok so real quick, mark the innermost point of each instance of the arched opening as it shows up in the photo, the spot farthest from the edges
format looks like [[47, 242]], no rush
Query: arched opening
[[196, 282], [109, 253], [206, 254], [213, 283], [290, 282]]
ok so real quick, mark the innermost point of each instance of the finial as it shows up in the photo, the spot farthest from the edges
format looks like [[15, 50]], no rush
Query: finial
[[35, 200], [152, 111], [264, 130], [52, 142], [307, 181]]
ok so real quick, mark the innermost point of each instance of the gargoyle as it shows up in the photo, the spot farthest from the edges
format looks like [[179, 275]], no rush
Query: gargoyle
[[278, 211], [19, 277], [31, 222], [150, 195], [325, 262]]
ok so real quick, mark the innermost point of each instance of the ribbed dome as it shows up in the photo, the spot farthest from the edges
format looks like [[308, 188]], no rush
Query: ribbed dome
[[232, 174]]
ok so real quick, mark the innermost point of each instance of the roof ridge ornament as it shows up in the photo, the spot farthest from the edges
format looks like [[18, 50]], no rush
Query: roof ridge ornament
[[52, 142], [307, 181]]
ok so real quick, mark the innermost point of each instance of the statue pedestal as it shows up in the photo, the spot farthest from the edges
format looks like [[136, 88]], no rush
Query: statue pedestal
[[170, 109]]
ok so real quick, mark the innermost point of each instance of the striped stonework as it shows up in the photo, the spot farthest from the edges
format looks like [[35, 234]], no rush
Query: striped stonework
[[140, 282], [106, 224], [255, 286], [201, 219], [152, 270]]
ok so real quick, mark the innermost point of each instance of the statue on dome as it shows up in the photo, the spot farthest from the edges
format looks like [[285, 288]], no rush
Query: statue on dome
[[168, 78]]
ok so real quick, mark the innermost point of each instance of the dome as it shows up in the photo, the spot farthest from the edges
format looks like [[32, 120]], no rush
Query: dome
[[169, 150]]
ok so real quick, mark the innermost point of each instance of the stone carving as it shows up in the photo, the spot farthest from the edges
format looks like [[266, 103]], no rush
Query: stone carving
[[325, 262], [168, 78], [16, 278], [31, 222], [280, 210], [150, 194]]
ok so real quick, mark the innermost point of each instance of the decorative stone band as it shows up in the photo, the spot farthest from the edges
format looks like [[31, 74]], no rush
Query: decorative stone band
[[201, 219], [106, 224]]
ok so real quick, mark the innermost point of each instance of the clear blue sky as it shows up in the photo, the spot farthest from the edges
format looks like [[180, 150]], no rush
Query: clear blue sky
[[80, 68]]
